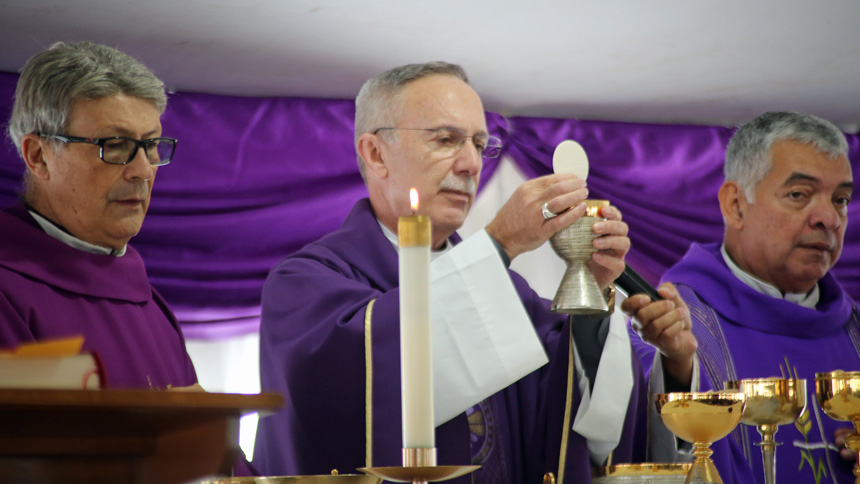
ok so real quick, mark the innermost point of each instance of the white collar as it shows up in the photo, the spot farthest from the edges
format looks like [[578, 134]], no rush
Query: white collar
[[392, 237], [56, 232], [807, 300]]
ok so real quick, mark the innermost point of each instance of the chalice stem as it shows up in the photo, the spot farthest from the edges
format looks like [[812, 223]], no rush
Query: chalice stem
[[768, 457], [853, 442], [579, 292], [768, 452], [703, 470]]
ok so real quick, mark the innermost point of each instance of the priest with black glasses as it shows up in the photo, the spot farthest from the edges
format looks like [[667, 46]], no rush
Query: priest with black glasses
[[86, 121]]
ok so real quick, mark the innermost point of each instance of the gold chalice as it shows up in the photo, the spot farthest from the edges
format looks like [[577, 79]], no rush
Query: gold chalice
[[770, 402], [839, 396], [701, 418]]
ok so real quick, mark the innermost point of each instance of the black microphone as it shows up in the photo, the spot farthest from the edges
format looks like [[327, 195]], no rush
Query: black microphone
[[633, 283]]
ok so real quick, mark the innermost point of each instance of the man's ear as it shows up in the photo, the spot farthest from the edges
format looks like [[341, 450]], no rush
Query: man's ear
[[33, 148], [370, 150], [733, 204]]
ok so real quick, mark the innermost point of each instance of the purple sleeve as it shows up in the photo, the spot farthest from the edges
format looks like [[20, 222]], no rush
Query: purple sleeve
[[642, 350], [313, 318]]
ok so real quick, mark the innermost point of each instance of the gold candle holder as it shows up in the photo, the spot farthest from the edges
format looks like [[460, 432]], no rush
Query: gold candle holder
[[839, 396], [419, 467]]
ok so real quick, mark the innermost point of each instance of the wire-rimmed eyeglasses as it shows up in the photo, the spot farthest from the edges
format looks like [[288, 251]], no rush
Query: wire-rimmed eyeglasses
[[119, 150], [450, 140]]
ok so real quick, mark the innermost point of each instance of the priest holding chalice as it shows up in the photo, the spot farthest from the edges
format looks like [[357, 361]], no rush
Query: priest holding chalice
[[512, 390]]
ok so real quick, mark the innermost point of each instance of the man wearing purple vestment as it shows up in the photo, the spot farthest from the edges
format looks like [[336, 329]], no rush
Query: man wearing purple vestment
[[518, 389], [86, 121], [763, 303]]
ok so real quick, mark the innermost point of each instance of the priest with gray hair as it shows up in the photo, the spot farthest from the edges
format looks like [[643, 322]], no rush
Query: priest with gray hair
[[763, 302], [513, 392], [87, 124]]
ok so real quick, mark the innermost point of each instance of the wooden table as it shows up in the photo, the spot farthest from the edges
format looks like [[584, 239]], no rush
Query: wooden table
[[121, 436]]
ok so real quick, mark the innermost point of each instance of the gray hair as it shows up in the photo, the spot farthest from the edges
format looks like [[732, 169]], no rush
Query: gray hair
[[378, 104], [53, 80], [748, 157]]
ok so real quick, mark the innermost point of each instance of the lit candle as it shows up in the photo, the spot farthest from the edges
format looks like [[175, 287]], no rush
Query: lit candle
[[416, 365]]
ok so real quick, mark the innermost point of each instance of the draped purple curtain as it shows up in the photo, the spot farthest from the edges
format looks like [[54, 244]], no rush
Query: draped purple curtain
[[254, 179]]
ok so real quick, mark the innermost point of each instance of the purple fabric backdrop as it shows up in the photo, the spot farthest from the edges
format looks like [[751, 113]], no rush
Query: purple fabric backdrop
[[257, 178]]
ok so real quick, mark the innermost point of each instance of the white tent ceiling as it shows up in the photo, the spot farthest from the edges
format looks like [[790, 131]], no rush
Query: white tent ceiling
[[673, 61]]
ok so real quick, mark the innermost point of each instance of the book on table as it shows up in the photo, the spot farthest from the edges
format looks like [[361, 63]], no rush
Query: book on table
[[55, 364]]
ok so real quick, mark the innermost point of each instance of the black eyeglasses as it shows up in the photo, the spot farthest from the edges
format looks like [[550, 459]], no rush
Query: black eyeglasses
[[119, 150], [448, 141]]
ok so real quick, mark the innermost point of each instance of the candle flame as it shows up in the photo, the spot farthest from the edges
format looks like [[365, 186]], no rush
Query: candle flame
[[413, 199]]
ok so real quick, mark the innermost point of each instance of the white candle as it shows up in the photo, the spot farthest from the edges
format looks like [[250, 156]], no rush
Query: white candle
[[416, 364]]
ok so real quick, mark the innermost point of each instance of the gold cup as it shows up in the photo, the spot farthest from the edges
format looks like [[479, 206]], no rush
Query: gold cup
[[770, 402], [578, 292], [838, 395], [701, 418]]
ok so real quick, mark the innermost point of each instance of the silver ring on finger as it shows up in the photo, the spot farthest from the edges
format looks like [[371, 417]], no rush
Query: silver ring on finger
[[546, 212]]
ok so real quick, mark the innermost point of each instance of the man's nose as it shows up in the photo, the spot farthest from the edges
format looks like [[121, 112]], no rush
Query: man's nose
[[139, 167], [826, 215], [469, 160]]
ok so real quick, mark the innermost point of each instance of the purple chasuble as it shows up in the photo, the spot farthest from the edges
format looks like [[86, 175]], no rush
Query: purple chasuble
[[51, 290], [743, 333], [312, 349]]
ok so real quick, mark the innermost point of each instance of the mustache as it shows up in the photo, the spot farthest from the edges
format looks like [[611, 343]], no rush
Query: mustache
[[459, 184], [138, 191]]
